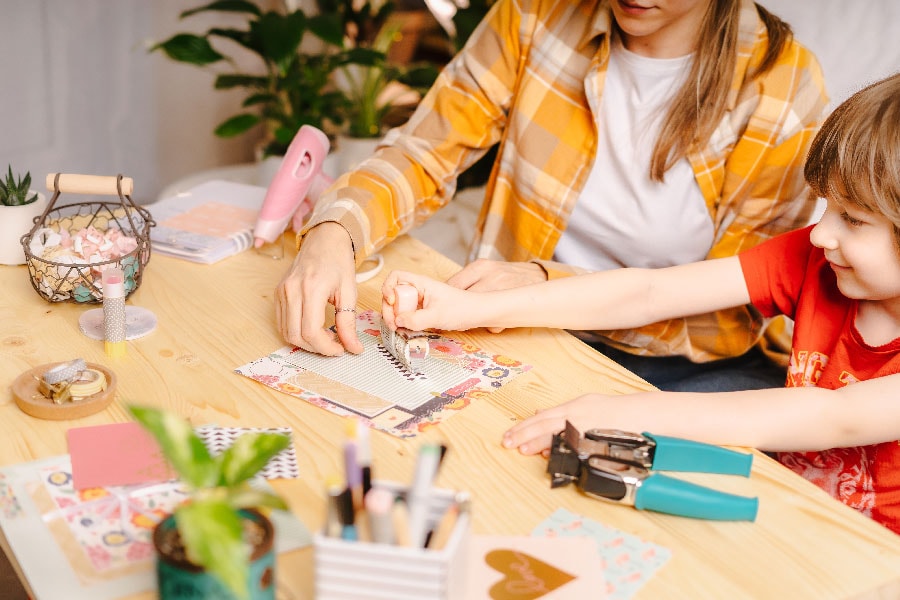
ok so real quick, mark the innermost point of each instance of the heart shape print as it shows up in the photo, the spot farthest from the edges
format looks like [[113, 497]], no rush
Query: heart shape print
[[525, 577]]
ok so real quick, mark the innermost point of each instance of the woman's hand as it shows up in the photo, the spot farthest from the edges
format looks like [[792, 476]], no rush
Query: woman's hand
[[323, 273], [485, 275]]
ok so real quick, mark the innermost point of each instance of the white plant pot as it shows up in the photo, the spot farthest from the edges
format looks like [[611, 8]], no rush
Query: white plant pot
[[16, 221], [349, 152]]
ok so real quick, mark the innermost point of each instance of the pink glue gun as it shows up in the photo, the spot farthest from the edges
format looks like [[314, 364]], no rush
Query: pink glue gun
[[296, 186]]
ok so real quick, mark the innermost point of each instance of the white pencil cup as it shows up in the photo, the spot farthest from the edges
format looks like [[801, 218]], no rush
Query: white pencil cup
[[348, 570]]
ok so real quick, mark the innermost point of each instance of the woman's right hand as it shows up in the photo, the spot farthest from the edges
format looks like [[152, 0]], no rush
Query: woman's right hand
[[324, 272]]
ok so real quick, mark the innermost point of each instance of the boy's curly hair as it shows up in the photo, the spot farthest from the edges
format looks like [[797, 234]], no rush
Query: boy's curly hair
[[855, 157]]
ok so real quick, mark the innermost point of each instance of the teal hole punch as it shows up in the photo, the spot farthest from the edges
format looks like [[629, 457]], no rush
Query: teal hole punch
[[616, 466]]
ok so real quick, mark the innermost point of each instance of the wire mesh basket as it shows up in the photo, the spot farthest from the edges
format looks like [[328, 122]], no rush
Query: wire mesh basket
[[68, 247]]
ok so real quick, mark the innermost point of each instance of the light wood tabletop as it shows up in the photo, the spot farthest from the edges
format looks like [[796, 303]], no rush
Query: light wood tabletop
[[214, 318]]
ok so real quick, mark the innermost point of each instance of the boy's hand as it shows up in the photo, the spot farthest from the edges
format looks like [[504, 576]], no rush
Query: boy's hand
[[439, 306], [535, 434]]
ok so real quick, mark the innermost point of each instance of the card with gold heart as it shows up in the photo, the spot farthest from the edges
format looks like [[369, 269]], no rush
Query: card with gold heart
[[533, 568]]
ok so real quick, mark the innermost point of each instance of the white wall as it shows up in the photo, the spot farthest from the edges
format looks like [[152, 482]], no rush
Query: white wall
[[79, 92], [857, 42]]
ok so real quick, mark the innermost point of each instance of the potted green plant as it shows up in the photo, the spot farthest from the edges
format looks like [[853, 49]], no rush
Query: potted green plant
[[296, 86], [217, 544], [19, 207], [292, 86]]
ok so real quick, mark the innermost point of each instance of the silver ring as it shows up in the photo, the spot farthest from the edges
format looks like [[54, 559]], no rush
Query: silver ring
[[337, 310]]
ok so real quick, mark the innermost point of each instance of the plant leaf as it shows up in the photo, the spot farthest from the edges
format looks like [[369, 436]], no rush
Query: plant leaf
[[233, 80], [236, 125], [183, 449], [420, 77], [213, 539], [189, 48], [279, 35], [249, 497], [259, 99], [244, 38], [225, 6], [328, 28], [249, 454]]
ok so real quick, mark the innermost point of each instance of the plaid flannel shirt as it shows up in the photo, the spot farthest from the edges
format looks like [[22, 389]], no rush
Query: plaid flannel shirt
[[531, 78]]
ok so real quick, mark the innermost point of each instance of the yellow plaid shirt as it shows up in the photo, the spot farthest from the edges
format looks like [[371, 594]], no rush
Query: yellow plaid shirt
[[531, 77]]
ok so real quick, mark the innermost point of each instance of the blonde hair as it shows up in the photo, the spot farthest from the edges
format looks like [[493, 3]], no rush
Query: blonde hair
[[855, 157], [700, 103]]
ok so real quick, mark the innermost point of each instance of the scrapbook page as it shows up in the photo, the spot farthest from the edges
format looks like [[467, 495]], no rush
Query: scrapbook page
[[94, 543], [375, 387]]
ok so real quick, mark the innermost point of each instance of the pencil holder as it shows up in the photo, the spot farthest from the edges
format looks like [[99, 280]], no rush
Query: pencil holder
[[103, 233], [358, 570]]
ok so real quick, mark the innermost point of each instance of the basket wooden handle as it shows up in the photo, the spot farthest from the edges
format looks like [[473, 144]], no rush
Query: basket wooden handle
[[88, 184]]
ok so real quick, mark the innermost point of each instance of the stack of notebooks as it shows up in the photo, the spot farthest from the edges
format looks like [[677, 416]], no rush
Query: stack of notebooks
[[206, 223]]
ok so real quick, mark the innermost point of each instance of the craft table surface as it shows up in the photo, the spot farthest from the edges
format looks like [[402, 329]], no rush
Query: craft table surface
[[213, 318]]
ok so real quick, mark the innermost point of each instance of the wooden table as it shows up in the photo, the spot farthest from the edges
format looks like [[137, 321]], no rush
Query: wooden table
[[213, 318]]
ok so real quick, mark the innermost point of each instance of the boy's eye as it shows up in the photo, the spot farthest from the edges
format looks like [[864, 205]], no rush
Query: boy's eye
[[850, 220]]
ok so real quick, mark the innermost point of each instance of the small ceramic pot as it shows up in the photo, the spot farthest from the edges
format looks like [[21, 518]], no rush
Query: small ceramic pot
[[183, 580], [15, 222]]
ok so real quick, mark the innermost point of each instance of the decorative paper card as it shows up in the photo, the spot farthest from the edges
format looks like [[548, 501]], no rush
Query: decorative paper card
[[126, 454], [533, 568], [374, 386], [626, 560], [115, 454], [94, 543], [281, 466]]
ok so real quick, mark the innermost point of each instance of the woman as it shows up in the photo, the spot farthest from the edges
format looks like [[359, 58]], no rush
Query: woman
[[630, 135]]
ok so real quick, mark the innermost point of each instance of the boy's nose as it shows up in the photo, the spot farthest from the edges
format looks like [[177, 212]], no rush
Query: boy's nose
[[822, 235]]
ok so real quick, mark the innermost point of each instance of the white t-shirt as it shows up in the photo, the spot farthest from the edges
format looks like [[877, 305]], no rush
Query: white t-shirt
[[622, 218]]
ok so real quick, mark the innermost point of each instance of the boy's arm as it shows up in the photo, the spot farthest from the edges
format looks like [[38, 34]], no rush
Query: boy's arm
[[780, 419], [615, 299]]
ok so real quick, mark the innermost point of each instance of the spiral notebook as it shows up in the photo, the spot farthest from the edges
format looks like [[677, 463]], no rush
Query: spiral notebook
[[209, 222]]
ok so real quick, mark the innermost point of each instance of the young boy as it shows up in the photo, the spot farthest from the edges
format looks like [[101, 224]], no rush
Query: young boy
[[837, 422]]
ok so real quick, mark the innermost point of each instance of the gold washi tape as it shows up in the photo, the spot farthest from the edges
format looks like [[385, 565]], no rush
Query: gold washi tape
[[90, 382]]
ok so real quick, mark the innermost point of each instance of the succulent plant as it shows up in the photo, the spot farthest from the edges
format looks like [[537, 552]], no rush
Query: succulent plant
[[14, 192]]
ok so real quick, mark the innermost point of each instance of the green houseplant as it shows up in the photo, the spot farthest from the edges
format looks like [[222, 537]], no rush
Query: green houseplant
[[19, 207], [291, 87], [296, 86], [213, 526], [15, 191]]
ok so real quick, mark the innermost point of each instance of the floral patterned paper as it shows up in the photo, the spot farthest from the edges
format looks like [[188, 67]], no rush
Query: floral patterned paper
[[376, 388]]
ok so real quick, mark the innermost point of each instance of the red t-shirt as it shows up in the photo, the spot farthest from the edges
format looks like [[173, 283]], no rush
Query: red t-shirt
[[788, 275]]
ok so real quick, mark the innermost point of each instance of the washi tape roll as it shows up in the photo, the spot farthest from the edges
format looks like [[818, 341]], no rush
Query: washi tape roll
[[32, 402], [90, 382], [67, 371]]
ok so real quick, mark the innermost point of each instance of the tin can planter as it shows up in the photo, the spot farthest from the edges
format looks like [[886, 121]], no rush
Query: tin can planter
[[179, 579]]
